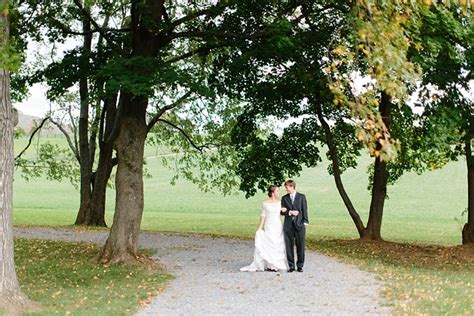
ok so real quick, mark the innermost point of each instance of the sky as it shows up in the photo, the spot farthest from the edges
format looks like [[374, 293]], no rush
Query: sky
[[36, 104]]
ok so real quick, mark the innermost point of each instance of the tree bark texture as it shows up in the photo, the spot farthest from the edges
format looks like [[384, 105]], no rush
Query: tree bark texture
[[96, 216], [379, 186], [122, 243], [12, 299]]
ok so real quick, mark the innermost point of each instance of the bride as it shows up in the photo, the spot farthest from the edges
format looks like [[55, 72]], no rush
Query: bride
[[270, 253]]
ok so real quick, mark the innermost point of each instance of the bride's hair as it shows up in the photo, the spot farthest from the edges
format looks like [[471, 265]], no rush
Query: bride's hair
[[271, 189]]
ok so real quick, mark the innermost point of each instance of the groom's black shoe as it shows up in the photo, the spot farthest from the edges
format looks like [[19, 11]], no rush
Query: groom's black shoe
[[291, 269], [300, 270]]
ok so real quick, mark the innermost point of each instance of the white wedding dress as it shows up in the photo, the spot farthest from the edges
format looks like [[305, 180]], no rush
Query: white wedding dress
[[270, 250]]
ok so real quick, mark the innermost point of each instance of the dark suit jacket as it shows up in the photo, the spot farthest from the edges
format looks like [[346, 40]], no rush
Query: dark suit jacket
[[300, 205]]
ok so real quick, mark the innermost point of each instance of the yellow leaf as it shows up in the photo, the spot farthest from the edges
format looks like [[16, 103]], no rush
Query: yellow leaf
[[338, 51]]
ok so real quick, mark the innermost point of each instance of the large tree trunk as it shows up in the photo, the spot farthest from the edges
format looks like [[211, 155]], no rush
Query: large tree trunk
[[337, 174], [379, 186], [468, 229], [84, 150], [12, 300], [122, 243]]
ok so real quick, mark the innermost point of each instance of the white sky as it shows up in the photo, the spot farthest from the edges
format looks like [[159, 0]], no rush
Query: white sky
[[36, 104]]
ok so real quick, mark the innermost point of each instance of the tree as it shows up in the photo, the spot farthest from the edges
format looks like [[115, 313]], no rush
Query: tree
[[446, 37], [12, 298], [378, 48], [396, 42], [300, 75], [284, 79], [156, 30], [156, 49], [92, 129], [86, 152]]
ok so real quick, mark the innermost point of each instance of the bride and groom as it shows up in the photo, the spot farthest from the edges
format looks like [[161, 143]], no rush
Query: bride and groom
[[274, 241]]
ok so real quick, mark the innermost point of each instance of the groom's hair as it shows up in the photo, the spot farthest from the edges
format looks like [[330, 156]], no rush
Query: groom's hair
[[290, 183]]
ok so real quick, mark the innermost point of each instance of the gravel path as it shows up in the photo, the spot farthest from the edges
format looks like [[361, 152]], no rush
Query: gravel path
[[208, 281]]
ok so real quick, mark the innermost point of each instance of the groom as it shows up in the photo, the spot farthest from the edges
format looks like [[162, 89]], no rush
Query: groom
[[295, 210]]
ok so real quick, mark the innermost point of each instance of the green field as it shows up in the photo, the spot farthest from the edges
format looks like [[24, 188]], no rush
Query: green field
[[421, 208]]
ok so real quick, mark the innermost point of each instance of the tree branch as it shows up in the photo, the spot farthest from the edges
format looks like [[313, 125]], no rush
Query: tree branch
[[165, 14], [198, 148], [101, 123], [197, 14], [74, 129], [470, 76], [97, 27], [114, 161], [94, 130], [68, 138], [102, 30], [31, 137], [200, 50], [117, 122], [162, 110], [205, 34]]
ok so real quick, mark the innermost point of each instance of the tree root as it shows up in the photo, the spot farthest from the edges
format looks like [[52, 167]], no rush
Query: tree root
[[106, 256], [16, 303]]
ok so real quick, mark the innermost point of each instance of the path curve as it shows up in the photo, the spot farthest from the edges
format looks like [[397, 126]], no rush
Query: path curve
[[208, 281]]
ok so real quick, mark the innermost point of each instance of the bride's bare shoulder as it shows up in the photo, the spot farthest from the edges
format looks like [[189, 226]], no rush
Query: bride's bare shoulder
[[268, 201]]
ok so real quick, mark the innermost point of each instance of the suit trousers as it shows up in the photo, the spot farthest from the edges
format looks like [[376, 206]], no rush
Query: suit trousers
[[292, 236]]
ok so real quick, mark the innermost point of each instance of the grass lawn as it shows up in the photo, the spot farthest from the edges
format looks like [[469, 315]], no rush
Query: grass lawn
[[426, 272], [63, 278]]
